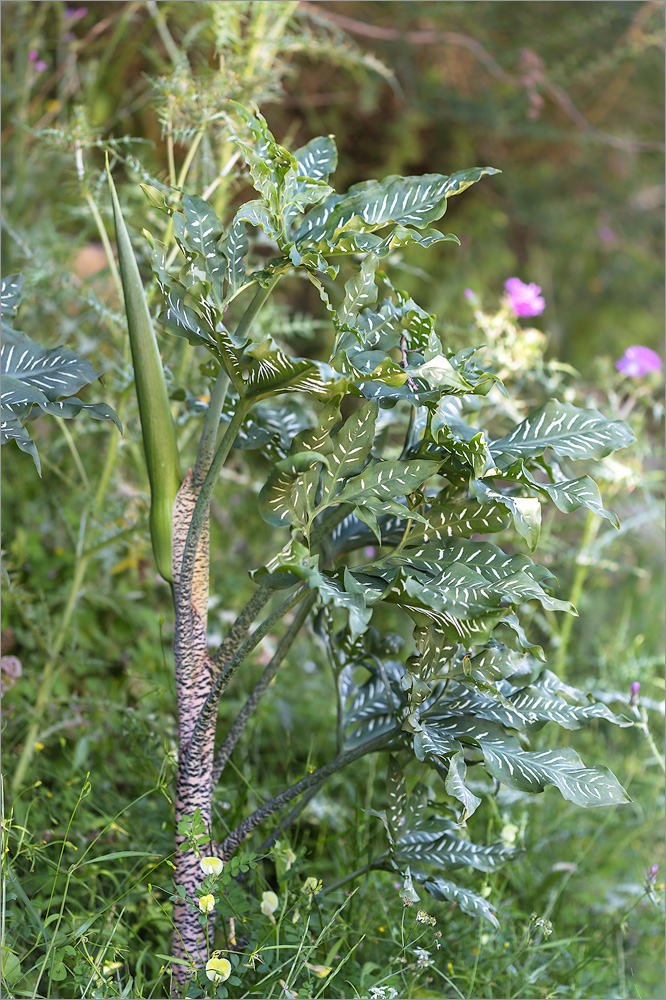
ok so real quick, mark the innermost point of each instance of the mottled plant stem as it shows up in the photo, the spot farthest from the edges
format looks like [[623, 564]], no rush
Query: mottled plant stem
[[205, 722], [202, 505]]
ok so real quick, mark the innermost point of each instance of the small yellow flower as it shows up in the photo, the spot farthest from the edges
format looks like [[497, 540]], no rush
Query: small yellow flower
[[319, 970], [218, 969], [311, 885], [449, 966], [212, 866], [39, 746], [269, 904], [207, 904]]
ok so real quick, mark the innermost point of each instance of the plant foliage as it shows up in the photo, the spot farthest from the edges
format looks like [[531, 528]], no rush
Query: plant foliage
[[388, 493], [33, 376]]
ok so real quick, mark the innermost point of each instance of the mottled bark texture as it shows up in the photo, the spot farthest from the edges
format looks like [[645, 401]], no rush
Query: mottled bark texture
[[196, 674], [193, 684]]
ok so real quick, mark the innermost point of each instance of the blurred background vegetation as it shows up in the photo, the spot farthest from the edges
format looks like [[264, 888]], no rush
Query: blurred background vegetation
[[566, 99]]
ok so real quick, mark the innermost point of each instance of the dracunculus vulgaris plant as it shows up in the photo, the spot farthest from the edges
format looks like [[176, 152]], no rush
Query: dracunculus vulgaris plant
[[386, 487]]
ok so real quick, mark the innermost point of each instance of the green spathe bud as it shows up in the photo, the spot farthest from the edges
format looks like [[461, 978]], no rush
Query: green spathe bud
[[159, 434]]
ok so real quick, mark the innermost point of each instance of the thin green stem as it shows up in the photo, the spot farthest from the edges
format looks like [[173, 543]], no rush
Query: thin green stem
[[580, 576], [244, 829], [175, 53], [211, 427], [101, 229], [171, 161], [253, 309], [71, 444], [262, 685], [187, 162], [642, 724]]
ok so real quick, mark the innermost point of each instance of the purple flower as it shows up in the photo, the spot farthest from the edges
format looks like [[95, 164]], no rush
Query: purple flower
[[40, 66], [638, 361], [606, 234], [469, 294], [33, 54], [652, 874], [525, 300], [75, 13], [369, 552], [635, 688]]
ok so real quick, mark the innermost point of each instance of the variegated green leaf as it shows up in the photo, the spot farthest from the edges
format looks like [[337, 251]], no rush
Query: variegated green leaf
[[531, 771], [256, 213], [541, 702], [12, 430], [567, 430], [55, 371], [18, 396], [396, 796], [360, 291], [463, 701], [470, 902], [235, 246], [348, 451], [386, 480], [425, 605], [288, 494], [36, 376], [576, 493], [182, 320], [343, 593], [374, 704], [526, 511], [464, 517], [434, 743], [455, 786], [372, 204], [10, 294], [318, 158], [273, 372], [473, 451], [69, 408], [416, 806], [205, 231], [439, 372], [436, 842]]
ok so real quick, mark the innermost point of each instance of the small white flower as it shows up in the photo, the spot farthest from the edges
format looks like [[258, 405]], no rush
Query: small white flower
[[423, 959], [289, 858], [218, 969], [211, 866], [269, 904], [509, 833]]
